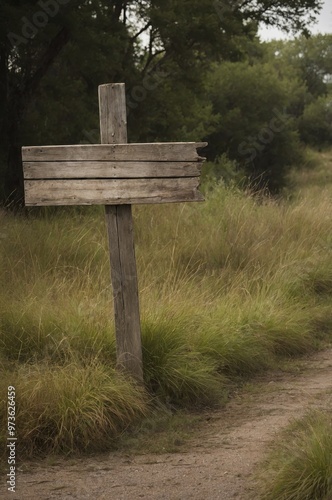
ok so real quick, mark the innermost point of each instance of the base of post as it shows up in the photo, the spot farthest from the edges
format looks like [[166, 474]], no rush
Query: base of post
[[129, 365]]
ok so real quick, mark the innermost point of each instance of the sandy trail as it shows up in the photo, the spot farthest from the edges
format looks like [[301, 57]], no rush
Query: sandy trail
[[219, 463]]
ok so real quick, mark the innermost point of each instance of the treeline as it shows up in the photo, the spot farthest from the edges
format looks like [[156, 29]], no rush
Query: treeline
[[269, 105], [194, 70]]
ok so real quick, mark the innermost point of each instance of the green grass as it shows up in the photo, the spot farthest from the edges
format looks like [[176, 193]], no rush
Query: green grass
[[70, 408], [174, 370], [228, 288], [300, 466]]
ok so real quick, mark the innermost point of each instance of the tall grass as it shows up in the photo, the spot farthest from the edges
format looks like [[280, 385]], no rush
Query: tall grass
[[71, 409], [300, 466], [226, 287]]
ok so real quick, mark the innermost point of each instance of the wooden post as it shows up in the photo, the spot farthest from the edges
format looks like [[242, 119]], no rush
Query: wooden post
[[115, 174], [113, 130]]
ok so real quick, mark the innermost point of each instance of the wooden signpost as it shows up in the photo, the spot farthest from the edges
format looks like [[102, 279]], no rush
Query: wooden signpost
[[117, 175]]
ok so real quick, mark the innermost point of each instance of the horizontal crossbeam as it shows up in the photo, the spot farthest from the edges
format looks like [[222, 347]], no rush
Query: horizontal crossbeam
[[111, 192], [112, 174], [165, 151], [109, 169]]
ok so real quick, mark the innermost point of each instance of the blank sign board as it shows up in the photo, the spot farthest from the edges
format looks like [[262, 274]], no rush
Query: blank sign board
[[112, 174]]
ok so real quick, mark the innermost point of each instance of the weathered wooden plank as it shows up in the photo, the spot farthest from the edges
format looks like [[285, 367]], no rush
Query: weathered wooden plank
[[111, 191], [125, 289], [113, 129], [110, 170], [172, 151]]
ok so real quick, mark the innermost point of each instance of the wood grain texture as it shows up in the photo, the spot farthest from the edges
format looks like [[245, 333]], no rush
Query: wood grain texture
[[125, 290], [119, 221], [109, 170], [111, 192], [172, 151]]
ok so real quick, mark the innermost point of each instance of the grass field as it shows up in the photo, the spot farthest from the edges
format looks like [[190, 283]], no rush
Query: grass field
[[227, 287]]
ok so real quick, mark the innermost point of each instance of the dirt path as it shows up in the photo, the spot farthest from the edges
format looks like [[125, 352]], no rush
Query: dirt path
[[219, 463]]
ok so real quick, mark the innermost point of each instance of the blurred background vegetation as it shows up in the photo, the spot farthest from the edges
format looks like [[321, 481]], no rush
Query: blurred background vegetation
[[194, 70]]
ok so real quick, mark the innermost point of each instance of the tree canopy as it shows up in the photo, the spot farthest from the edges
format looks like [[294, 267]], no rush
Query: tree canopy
[[55, 53]]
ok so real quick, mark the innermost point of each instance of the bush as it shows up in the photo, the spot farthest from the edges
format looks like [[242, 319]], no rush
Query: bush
[[255, 128], [222, 169], [315, 125]]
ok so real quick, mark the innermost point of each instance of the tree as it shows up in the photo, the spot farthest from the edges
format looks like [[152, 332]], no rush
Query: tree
[[315, 125], [32, 50], [310, 60], [255, 127], [51, 52]]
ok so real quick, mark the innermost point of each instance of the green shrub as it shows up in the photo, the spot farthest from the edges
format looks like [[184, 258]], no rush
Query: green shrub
[[315, 125], [222, 168], [255, 128]]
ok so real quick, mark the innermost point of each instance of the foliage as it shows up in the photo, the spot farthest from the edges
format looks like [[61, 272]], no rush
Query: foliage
[[315, 125], [254, 126], [310, 61], [52, 59], [222, 168], [309, 58]]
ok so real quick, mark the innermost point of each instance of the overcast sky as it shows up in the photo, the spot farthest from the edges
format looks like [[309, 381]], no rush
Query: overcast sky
[[324, 24]]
